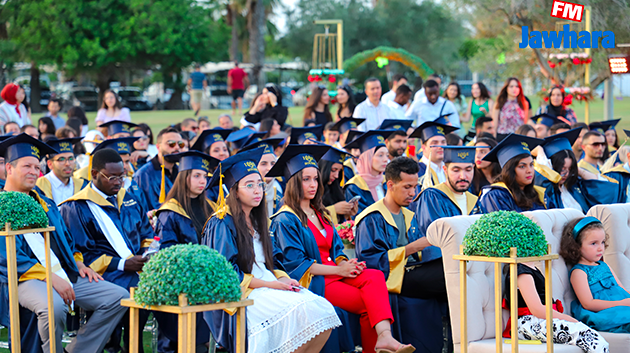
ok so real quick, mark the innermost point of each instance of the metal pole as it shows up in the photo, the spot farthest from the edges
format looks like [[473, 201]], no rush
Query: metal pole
[[340, 45], [608, 98], [587, 71]]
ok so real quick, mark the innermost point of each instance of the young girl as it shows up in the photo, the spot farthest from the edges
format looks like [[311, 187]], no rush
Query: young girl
[[285, 317], [602, 301]]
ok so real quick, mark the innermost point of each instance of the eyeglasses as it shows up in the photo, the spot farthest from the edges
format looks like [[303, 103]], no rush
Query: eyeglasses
[[565, 172], [143, 138], [64, 160], [113, 178], [597, 144], [172, 144], [252, 186]]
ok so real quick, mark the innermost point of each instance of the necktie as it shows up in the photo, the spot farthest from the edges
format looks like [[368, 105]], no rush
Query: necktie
[[112, 200]]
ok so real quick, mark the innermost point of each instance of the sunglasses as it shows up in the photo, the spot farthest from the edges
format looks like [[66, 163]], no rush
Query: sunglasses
[[598, 144], [172, 144], [143, 138]]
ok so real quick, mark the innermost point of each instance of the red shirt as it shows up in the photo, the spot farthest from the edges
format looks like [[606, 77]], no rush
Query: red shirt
[[324, 243], [237, 74]]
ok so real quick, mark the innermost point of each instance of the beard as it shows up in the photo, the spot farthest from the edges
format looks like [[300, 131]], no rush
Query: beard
[[396, 152], [459, 188]]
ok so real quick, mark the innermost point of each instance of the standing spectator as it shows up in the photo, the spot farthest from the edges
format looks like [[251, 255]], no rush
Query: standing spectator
[[11, 109], [454, 94], [433, 107], [111, 109], [480, 104], [371, 108], [556, 107], [317, 106], [190, 124], [267, 104], [511, 110], [237, 83], [398, 106], [225, 122], [78, 113], [345, 99], [46, 128], [22, 100], [54, 107], [420, 95], [397, 81], [198, 84]]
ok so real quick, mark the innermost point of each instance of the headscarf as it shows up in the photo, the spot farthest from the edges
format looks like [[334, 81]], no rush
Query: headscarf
[[364, 168], [8, 94], [560, 110]]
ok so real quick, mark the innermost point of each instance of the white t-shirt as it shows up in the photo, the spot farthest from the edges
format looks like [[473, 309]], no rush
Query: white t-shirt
[[461, 202]]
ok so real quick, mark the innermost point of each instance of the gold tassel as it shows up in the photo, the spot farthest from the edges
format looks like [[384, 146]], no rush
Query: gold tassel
[[162, 188], [427, 181], [90, 168], [342, 182], [221, 207]]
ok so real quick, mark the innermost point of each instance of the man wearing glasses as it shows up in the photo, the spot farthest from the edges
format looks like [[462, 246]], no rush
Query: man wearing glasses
[[154, 181], [59, 184], [593, 144]]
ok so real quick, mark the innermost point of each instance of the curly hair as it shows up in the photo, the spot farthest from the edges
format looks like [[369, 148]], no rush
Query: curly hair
[[570, 247]]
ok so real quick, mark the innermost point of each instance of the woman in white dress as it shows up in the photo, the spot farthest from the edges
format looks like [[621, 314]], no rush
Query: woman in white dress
[[285, 317], [12, 109]]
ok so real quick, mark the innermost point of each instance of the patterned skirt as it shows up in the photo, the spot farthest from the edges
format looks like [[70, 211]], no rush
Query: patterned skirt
[[577, 334]]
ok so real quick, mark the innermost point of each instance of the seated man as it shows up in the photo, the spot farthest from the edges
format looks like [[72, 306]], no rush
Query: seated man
[[71, 280], [110, 227], [433, 136], [59, 184], [387, 238]]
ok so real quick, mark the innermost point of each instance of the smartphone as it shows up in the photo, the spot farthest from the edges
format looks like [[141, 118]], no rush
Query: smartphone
[[355, 199]]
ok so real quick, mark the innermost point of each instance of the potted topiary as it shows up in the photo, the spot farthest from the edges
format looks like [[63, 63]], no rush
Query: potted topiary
[[186, 279], [21, 215], [504, 237]]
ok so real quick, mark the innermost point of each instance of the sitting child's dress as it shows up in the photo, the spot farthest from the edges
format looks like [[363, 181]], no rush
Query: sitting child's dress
[[603, 287], [531, 327]]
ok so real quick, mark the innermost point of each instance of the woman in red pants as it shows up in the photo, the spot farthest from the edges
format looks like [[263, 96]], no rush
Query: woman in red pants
[[313, 251]]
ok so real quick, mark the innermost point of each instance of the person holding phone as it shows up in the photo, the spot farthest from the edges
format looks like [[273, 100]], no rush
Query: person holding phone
[[332, 169], [313, 251]]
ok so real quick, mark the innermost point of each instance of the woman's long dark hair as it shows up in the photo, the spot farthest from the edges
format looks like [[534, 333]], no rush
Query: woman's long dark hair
[[265, 126], [244, 240], [525, 198], [180, 193], [351, 104], [557, 163], [50, 126], [478, 177], [312, 103], [459, 92], [77, 112], [333, 193], [295, 193], [483, 91], [275, 90], [503, 95], [147, 131], [116, 105]]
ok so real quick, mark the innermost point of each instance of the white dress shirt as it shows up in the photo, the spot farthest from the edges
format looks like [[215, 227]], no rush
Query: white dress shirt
[[373, 115], [439, 171], [420, 96], [388, 97], [397, 110], [60, 191], [422, 111]]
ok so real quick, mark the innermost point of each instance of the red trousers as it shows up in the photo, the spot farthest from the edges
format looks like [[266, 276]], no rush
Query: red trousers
[[367, 296]]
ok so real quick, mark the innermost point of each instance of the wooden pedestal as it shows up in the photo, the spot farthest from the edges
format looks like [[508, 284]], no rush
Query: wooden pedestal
[[187, 321], [513, 260]]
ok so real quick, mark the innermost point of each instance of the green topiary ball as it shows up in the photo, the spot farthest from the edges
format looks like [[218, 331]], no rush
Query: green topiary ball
[[22, 211], [495, 233], [202, 273]]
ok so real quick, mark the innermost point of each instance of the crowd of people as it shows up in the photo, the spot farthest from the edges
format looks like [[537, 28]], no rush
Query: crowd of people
[[268, 197]]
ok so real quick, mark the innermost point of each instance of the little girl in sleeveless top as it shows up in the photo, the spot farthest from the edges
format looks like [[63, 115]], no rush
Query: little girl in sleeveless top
[[602, 301]]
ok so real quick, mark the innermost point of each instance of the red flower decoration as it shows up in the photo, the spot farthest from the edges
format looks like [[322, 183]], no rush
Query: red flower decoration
[[311, 78], [332, 79], [576, 61], [589, 60], [568, 99], [546, 99], [552, 65]]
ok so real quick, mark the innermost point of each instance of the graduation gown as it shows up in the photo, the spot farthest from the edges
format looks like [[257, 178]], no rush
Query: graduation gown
[[349, 170], [497, 197], [358, 187], [300, 252], [99, 254], [220, 234], [276, 192], [622, 176], [595, 170], [439, 202], [130, 185], [45, 188], [149, 179], [423, 169], [28, 267], [376, 235]]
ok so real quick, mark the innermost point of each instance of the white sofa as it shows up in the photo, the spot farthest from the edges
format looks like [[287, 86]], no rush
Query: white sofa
[[448, 233]]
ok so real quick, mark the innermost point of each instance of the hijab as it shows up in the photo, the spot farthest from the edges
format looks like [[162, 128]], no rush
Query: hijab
[[364, 169], [8, 94]]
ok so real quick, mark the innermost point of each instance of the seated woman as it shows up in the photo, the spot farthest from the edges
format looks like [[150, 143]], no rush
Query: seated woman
[[566, 185], [368, 185], [181, 218], [309, 135], [514, 189], [285, 317], [313, 251], [485, 172], [212, 142], [331, 166], [602, 301]]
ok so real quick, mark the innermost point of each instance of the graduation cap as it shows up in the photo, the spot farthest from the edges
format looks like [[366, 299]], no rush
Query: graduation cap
[[430, 129], [117, 126], [603, 126], [195, 160], [545, 119], [269, 144], [230, 171], [624, 130], [459, 154], [208, 137], [122, 145], [352, 135], [559, 142], [443, 119], [347, 124], [299, 135], [244, 137], [511, 146], [396, 124], [336, 155], [63, 145], [370, 140], [23, 145], [296, 158]]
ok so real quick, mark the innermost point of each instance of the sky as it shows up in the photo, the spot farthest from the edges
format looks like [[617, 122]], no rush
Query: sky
[[279, 19]]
